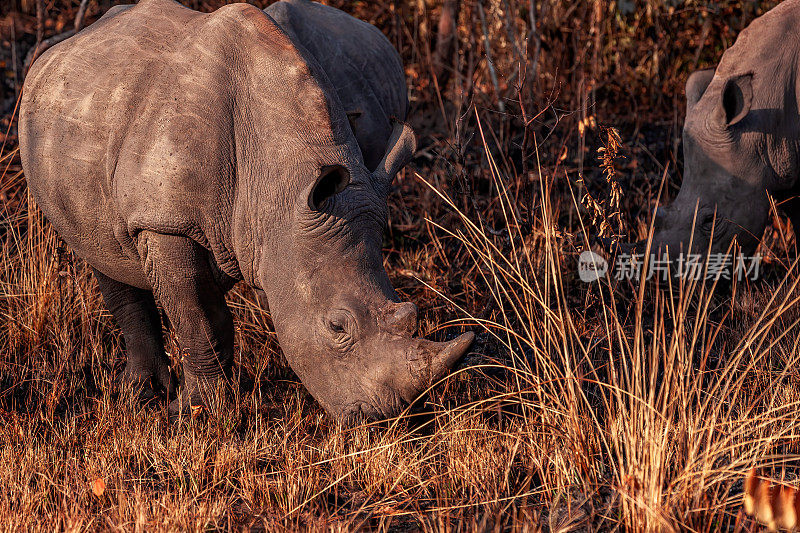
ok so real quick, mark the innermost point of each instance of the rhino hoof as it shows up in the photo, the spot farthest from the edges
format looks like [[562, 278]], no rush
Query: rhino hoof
[[147, 385], [196, 395], [182, 410]]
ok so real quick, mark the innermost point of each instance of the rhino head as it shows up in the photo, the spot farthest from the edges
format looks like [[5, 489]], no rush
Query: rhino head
[[340, 323], [735, 152], [741, 138]]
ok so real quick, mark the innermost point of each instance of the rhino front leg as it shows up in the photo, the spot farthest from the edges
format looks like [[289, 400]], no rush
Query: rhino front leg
[[135, 311], [183, 281]]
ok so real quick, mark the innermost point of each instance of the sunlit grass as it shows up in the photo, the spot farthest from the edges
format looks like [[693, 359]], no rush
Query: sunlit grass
[[644, 410]]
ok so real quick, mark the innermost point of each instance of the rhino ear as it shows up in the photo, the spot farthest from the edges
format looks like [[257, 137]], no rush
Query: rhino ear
[[737, 97], [400, 150], [332, 180], [697, 84]]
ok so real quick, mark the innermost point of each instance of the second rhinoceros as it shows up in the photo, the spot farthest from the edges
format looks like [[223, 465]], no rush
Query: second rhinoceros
[[179, 153], [741, 142]]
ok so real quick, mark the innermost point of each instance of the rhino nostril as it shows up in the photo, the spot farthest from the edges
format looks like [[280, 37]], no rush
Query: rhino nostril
[[399, 318]]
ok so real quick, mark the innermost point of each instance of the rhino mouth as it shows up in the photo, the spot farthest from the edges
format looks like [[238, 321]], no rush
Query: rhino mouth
[[375, 412], [363, 411]]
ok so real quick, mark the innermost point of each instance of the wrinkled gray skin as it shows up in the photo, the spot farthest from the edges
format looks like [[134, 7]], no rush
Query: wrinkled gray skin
[[180, 152], [741, 139]]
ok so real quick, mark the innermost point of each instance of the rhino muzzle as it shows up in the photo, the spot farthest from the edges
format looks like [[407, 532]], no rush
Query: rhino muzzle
[[422, 365], [423, 362]]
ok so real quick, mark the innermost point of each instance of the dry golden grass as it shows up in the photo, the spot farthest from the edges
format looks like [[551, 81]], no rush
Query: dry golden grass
[[601, 417], [613, 406]]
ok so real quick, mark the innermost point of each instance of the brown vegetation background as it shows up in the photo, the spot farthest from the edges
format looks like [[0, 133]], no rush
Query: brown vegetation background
[[581, 407]]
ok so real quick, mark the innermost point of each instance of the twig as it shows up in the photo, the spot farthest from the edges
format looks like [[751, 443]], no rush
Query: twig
[[39, 22], [500, 105], [14, 57], [44, 45], [80, 16], [422, 26], [703, 36], [537, 39], [511, 30], [445, 41]]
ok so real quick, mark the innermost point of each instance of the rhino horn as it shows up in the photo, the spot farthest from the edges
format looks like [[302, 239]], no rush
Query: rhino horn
[[399, 319], [401, 147], [429, 361]]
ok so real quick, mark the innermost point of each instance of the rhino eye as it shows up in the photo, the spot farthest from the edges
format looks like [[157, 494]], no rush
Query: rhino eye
[[707, 224], [342, 328], [336, 327], [340, 323]]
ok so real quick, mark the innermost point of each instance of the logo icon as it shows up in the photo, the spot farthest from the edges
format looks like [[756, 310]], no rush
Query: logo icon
[[591, 266]]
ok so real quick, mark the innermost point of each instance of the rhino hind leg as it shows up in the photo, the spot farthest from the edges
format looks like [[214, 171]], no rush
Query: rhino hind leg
[[183, 282], [147, 368]]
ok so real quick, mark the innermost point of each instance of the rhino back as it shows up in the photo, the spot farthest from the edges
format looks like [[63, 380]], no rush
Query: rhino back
[[363, 66], [131, 125], [770, 44]]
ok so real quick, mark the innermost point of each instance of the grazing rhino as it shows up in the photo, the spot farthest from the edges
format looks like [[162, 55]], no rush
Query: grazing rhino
[[741, 142], [179, 153]]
